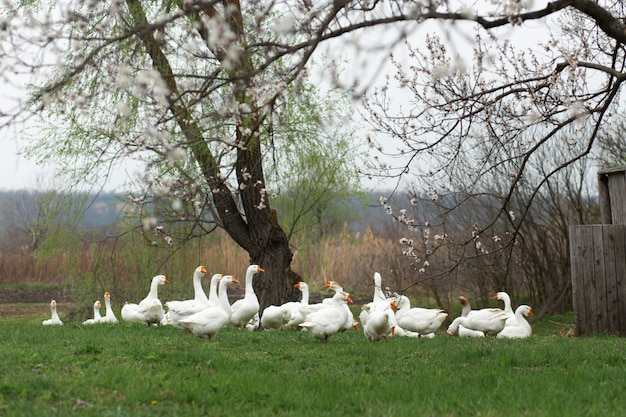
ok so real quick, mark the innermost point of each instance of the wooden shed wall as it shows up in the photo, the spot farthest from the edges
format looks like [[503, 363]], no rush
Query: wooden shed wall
[[598, 259]]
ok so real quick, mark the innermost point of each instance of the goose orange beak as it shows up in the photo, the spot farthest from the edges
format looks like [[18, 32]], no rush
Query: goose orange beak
[[167, 281], [327, 285], [530, 313], [261, 269], [297, 285], [202, 269], [235, 280], [495, 297]]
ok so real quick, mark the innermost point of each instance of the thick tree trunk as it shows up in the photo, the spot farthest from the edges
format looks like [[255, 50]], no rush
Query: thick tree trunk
[[276, 285], [271, 251], [256, 229]]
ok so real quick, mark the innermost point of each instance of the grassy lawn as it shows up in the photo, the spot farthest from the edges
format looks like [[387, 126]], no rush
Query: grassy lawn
[[131, 370]]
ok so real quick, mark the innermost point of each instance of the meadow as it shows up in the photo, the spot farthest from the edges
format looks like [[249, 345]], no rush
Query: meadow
[[132, 370]]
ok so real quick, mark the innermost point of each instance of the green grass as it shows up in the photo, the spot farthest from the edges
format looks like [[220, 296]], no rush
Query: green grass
[[131, 370]]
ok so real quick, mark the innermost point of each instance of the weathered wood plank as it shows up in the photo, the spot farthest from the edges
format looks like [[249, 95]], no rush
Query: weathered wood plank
[[598, 260], [601, 273], [578, 253], [611, 279], [603, 198], [620, 277], [617, 195]]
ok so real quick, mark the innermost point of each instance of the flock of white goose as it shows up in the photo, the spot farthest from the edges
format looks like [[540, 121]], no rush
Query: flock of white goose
[[381, 318]]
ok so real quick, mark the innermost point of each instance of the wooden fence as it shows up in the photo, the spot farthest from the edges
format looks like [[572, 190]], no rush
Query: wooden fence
[[598, 261]]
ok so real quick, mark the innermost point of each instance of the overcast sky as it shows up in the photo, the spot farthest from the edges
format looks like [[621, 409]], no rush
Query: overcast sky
[[19, 172]]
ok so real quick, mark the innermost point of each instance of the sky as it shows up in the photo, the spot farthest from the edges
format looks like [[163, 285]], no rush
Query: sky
[[17, 172]]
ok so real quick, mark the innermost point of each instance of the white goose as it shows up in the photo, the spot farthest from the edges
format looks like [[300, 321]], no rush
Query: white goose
[[213, 297], [332, 285], [54, 320], [149, 311], [350, 321], [275, 317], [379, 299], [206, 323], [246, 308], [109, 316], [463, 331], [424, 321], [399, 331], [503, 296], [178, 310], [294, 307], [519, 328], [327, 321], [97, 318], [379, 323], [488, 320]]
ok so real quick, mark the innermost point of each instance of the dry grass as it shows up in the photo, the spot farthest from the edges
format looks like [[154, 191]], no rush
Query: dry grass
[[124, 268]]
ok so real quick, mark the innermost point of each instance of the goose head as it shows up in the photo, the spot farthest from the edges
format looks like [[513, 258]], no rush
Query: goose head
[[345, 296], [254, 269], [333, 285], [525, 310], [229, 279], [160, 280], [501, 295]]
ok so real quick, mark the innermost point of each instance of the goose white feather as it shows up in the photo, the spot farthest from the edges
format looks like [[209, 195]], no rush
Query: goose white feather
[[275, 317], [245, 309], [464, 331], [332, 285], [294, 307], [379, 298], [519, 328], [350, 321], [504, 297], [399, 331], [326, 321], [54, 320], [379, 324], [178, 310], [97, 318], [488, 320], [213, 297], [109, 316], [150, 310], [424, 321], [207, 322]]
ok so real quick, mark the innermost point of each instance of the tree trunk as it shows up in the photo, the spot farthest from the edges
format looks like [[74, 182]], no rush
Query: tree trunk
[[256, 229], [276, 285]]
